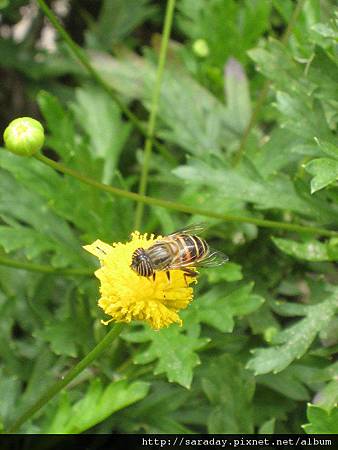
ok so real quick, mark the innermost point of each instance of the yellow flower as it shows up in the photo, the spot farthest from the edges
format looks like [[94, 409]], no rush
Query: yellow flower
[[127, 296]]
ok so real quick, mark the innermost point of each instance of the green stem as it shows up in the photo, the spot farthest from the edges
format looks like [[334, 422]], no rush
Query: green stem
[[44, 269], [74, 372], [154, 109], [84, 60], [265, 89], [181, 207]]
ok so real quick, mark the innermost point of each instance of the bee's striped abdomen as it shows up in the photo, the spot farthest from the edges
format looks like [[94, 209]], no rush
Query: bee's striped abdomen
[[191, 248]]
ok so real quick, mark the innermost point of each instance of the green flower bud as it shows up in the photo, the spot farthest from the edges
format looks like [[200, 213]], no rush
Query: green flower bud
[[269, 334], [200, 47], [24, 136]]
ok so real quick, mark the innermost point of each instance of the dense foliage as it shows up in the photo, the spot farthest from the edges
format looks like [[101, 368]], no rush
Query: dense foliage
[[256, 351]]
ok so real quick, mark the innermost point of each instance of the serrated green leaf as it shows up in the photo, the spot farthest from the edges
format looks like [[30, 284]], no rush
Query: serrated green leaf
[[305, 119], [295, 340], [60, 124], [199, 130], [321, 420], [51, 194], [61, 336], [175, 353], [325, 172], [243, 183], [289, 309], [21, 205], [229, 388], [106, 130], [328, 148], [97, 404], [115, 22], [230, 272], [218, 309], [159, 411], [217, 25], [311, 250]]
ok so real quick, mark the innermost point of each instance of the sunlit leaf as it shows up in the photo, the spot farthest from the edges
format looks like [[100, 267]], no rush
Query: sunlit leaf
[[295, 340], [218, 309], [310, 250], [325, 172], [174, 353], [97, 404], [321, 421]]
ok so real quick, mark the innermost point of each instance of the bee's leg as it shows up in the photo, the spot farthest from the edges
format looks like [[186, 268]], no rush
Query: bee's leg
[[188, 273], [168, 275], [154, 276]]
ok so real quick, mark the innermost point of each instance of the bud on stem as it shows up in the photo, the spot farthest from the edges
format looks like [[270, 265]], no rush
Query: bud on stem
[[24, 136]]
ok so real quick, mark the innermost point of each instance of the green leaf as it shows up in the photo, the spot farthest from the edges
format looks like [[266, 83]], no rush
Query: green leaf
[[305, 119], [311, 250], [218, 309], [229, 388], [244, 183], [325, 172], [9, 392], [62, 337], [321, 420], [106, 130], [326, 30], [159, 412], [205, 128], [230, 272], [115, 22], [295, 340], [50, 194], [21, 205], [269, 59], [268, 403], [217, 24], [174, 351], [35, 384], [97, 404], [62, 137], [327, 397], [286, 383], [328, 148], [268, 427]]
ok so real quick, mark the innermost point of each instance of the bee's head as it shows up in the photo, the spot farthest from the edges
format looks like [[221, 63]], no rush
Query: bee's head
[[141, 264]]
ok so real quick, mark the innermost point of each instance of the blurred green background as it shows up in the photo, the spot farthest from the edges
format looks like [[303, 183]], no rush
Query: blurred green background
[[256, 353]]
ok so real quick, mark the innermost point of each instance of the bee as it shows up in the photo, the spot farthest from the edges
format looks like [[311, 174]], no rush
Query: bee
[[180, 250]]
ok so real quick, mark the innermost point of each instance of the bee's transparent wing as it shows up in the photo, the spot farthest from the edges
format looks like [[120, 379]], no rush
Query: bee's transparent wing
[[213, 259], [191, 229]]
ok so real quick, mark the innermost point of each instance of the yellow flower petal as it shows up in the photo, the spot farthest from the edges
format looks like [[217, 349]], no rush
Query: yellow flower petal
[[127, 296]]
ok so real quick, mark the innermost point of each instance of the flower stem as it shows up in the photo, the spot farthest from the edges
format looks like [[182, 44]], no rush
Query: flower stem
[[154, 109], [84, 60], [43, 268], [181, 207], [265, 89], [74, 372]]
